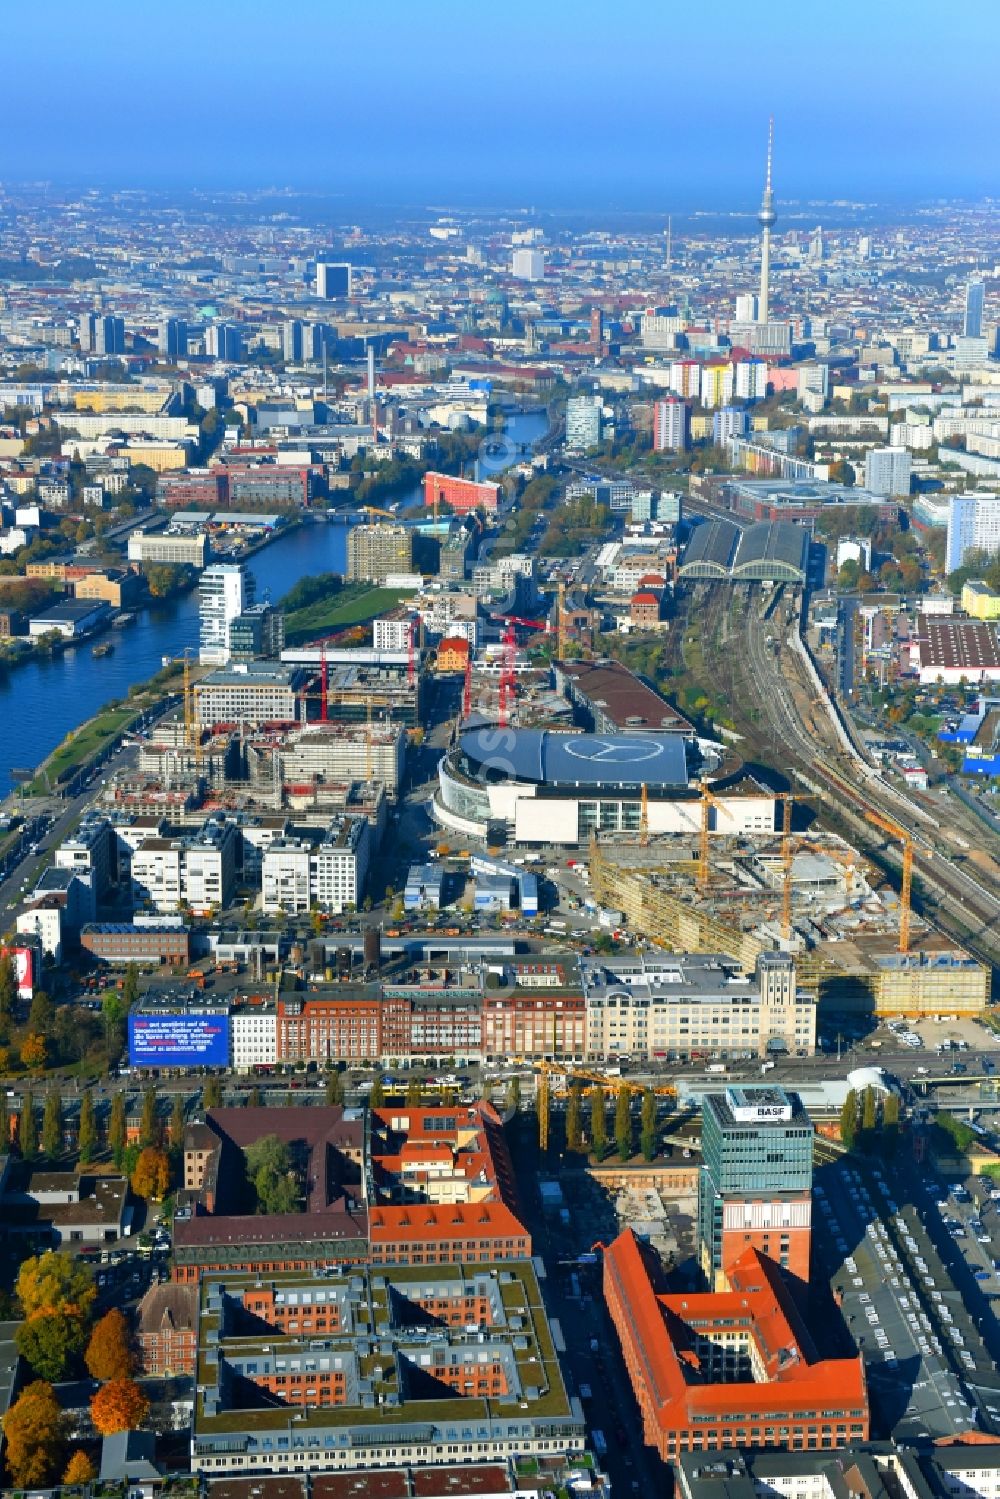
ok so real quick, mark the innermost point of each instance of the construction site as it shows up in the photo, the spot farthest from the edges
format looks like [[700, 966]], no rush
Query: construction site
[[856, 941]]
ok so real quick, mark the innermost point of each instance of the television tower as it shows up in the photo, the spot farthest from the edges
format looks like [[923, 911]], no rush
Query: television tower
[[767, 218]]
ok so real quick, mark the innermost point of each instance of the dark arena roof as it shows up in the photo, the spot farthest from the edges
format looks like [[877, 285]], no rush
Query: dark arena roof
[[540, 756], [710, 552], [769, 552]]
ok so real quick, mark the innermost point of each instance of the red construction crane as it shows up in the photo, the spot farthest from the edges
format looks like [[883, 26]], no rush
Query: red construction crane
[[508, 673]]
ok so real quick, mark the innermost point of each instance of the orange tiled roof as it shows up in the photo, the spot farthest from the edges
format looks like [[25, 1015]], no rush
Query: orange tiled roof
[[662, 1330]]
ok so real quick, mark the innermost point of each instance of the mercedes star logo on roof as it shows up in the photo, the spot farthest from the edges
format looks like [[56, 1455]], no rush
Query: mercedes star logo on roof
[[613, 751]]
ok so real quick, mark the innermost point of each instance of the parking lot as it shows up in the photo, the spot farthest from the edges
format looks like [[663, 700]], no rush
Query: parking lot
[[879, 1236]]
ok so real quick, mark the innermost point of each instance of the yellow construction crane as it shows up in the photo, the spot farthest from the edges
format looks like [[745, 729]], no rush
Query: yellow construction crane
[[561, 621], [189, 731], [542, 1106], [895, 831], [644, 817], [374, 510]]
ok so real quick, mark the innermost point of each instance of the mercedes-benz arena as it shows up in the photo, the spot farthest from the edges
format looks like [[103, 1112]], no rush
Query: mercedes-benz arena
[[550, 787]]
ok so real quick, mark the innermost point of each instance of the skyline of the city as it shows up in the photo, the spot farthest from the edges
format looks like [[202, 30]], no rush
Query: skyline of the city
[[538, 108]]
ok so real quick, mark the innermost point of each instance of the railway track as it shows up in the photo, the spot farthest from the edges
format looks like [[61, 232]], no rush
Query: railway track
[[957, 893]]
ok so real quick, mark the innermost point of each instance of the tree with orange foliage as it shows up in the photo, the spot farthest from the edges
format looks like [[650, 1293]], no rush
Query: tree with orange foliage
[[34, 1437], [151, 1177], [109, 1352], [118, 1405], [34, 1052], [79, 1470]]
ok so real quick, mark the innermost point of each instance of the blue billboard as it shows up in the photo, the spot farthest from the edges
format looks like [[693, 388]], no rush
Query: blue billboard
[[178, 1040]]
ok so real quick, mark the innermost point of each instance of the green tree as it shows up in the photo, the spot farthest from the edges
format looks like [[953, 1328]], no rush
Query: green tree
[[149, 1126], [28, 1130], [598, 1123], [647, 1125], [211, 1093], [334, 1089], [116, 1129], [254, 1098], [849, 1120], [177, 1123], [4, 1124], [623, 1123], [51, 1342], [130, 986], [574, 1119], [414, 1093], [869, 1116], [41, 1016], [376, 1097], [514, 1093], [88, 1129], [890, 1125], [269, 1170], [52, 1126], [8, 987]]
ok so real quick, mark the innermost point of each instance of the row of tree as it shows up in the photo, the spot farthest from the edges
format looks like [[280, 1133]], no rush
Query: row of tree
[[870, 1122], [624, 1132]]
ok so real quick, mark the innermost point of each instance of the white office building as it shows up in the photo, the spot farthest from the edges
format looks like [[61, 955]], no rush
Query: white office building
[[583, 423], [297, 874], [671, 425], [973, 526], [887, 471], [528, 265], [253, 1037], [226, 589]]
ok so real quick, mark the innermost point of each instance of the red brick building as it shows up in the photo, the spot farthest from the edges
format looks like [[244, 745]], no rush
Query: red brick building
[[166, 1330], [461, 494], [723, 1369], [644, 609], [347, 1028]]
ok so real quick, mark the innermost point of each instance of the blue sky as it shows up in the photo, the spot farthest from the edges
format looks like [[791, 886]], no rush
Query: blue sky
[[643, 103]]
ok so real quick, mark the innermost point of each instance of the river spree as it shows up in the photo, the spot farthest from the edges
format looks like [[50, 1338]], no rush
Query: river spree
[[42, 701]]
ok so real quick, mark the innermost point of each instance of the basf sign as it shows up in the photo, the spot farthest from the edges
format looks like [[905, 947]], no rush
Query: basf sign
[[24, 973], [178, 1040]]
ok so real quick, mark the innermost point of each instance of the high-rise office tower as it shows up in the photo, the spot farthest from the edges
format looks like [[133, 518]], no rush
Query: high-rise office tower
[[291, 341], [671, 425], [172, 338], [755, 1187], [583, 423], [102, 334], [973, 526], [226, 591], [746, 307], [528, 265], [333, 279], [887, 471], [224, 341], [767, 219], [975, 296]]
